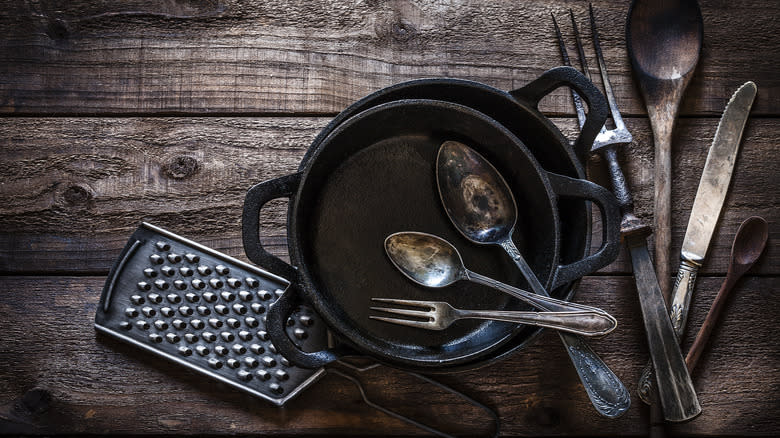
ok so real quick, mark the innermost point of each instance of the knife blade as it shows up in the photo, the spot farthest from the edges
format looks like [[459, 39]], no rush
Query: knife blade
[[707, 205]]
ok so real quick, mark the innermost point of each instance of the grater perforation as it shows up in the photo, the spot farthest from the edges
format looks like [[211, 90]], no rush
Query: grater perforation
[[206, 310]]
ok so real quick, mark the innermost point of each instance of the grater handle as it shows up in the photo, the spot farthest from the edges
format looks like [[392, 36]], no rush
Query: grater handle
[[278, 314], [108, 289], [256, 198]]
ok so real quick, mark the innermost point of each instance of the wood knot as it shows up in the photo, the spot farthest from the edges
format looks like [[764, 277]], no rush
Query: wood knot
[[77, 195], [181, 167], [402, 30], [57, 29], [35, 401]]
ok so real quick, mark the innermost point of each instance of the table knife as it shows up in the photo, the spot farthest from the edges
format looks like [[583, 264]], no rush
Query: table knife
[[707, 205], [713, 186]]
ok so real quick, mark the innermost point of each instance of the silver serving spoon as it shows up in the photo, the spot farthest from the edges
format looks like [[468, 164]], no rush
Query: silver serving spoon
[[479, 203], [481, 206], [434, 262]]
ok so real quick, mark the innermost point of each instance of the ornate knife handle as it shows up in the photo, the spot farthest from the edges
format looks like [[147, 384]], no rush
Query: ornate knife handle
[[681, 298]]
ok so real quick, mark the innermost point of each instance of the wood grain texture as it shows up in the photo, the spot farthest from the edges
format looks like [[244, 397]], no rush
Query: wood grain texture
[[74, 189], [113, 113], [59, 376], [302, 56]]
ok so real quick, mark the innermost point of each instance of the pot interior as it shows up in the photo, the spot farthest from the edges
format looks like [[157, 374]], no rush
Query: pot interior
[[374, 175]]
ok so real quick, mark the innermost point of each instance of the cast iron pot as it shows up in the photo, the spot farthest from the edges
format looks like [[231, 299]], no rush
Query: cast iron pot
[[517, 110], [390, 347]]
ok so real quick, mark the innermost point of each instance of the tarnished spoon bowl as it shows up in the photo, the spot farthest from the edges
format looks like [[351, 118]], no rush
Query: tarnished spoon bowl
[[425, 259], [479, 202], [475, 196]]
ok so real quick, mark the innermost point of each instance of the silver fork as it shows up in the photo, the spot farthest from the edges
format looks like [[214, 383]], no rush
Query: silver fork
[[606, 137], [606, 143], [438, 315]]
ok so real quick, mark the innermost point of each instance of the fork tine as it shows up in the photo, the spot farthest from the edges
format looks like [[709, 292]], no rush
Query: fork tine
[[580, 49], [565, 55], [616, 117], [418, 324], [405, 312], [561, 45]]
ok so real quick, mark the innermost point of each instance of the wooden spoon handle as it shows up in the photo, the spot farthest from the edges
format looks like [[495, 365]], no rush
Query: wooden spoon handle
[[662, 124], [709, 322], [662, 99]]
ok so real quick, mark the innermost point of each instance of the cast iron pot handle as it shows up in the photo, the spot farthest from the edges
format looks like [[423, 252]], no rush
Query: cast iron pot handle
[[276, 322], [557, 77], [256, 197], [610, 220], [281, 310]]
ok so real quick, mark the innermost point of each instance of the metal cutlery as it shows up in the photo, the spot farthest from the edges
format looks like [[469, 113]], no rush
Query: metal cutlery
[[433, 262], [492, 223], [676, 389], [438, 315], [710, 196]]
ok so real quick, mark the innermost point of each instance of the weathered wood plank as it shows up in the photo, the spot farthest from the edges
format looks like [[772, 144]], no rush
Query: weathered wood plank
[[74, 189], [233, 56], [97, 385]]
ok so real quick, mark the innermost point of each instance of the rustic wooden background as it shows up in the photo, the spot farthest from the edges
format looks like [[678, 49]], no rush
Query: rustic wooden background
[[113, 113]]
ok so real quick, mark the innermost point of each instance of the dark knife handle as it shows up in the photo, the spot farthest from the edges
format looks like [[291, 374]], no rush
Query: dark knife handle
[[676, 392], [618, 180]]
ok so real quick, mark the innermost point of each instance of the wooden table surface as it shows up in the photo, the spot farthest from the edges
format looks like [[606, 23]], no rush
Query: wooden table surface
[[113, 113]]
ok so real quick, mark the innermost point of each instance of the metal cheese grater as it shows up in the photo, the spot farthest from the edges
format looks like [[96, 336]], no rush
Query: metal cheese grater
[[205, 310]]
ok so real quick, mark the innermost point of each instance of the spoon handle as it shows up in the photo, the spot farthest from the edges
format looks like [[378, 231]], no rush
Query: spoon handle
[[543, 302], [528, 273], [606, 391], [710, 321]]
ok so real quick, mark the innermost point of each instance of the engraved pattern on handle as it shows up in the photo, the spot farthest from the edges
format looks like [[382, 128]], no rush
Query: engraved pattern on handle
[[681, 301], [544, 302], [607, 393], [509, 246], [646, 387], [681, 298], [585, 323]]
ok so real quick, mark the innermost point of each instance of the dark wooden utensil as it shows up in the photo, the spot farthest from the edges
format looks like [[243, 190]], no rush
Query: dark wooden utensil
[[664, 39], [748, 245]]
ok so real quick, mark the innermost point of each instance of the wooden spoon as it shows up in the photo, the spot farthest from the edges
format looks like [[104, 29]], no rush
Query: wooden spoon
[[663, 38], [748, 245]]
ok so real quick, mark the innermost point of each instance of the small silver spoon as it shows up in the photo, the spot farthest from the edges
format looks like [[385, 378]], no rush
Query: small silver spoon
[[479, 203], [433, 262]]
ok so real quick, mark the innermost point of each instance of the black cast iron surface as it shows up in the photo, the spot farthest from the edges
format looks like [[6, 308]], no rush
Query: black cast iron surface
[[548, 141]]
